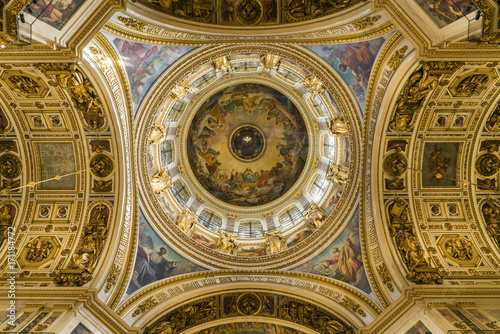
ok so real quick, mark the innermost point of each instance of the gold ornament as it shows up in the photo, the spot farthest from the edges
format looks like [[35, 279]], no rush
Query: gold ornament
[[145, 306], [275, 242], [337, 175], [79, 87], [419, 85], [491, 215], [395, 164], [184, 317], [314, 216], [186, 221], [157, 135], [313, 317], [132, 23], [337, 126], [223, 64], [84, 260], [248, 12], [366, 22], [10, 166], [226, 243], [181, 90], [101, 165], [113, 276], [397, 57], [248, 304], [38, 250], [24, 85], [160, 181], [412, 253], [384, 275], [352, 305], [313, 85], [6, 220], [471, 86], [487, 165], [270, 61]]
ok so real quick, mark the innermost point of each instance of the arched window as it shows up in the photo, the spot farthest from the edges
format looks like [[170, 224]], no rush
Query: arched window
[[290, 217], [250, 229], [181, 194], [329, 147], [318, 187], [167, 152], [210, 220]]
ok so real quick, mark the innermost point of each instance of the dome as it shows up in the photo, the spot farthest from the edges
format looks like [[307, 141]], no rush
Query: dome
[[248, 154], [247, 144]]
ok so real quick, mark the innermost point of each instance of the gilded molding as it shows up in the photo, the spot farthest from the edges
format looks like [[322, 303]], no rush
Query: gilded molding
[[145, 306], [255, 276], [491, 29], [158, 35]]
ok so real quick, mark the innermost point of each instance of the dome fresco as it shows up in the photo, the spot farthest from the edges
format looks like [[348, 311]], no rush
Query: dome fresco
[[247, 144], [248, 163]]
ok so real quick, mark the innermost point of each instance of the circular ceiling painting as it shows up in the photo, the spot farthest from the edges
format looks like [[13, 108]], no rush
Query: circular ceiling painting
[[247, 144]]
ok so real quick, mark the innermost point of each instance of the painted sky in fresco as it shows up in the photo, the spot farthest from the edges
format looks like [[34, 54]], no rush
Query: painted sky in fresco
[[150, 264], [342, 260], [353, 61], [144, 63]]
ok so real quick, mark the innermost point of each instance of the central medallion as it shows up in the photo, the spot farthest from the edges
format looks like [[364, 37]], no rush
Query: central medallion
[[247, 142]]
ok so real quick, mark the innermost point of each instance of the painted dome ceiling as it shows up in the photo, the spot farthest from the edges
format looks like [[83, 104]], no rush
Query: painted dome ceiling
[[247, 149], [247, 144]]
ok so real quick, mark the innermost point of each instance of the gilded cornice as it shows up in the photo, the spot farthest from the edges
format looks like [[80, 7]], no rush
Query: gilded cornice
[[425, 49], [318, 284], [491, 31], [323, 36], [414, 294], [51, 51], [367, 246], [69, 299]]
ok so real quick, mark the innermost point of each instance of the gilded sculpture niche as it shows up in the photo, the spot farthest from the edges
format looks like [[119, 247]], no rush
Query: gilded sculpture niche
[[7, 214], [493, 123], [487, 165], [84, 260], [403, 232], [491, 215], [11, 166]]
